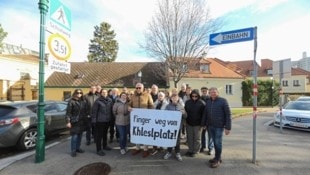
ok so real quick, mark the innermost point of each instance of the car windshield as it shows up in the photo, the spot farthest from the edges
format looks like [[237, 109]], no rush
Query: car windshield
[[303, 99], [298, 106], [5, 110]]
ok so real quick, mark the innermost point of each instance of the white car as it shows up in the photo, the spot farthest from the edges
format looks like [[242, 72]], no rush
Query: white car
[[295, 115]]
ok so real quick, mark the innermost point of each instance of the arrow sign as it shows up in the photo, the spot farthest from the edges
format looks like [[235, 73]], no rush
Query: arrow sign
[[233, 36]]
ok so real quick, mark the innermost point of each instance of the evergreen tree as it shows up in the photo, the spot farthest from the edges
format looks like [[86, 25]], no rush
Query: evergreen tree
[[103, 47], [3, 34]]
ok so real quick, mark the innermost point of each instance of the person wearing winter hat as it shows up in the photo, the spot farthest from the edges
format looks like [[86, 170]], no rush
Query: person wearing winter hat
[[194, 108]]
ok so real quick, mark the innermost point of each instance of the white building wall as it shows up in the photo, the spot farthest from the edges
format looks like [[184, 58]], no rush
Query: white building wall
[[13, 68], [234, 99]]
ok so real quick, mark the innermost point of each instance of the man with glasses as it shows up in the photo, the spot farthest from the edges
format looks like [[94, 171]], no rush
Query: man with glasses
[[140, 99]]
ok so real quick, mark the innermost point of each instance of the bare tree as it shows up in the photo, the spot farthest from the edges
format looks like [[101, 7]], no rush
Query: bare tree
[[178, 33]]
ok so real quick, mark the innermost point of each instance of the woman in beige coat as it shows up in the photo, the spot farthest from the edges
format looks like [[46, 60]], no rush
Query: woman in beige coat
[[122, 120]]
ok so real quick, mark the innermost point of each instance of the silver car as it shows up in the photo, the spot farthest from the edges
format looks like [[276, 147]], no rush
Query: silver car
[[295, 115], [18, 122], [303, 98]]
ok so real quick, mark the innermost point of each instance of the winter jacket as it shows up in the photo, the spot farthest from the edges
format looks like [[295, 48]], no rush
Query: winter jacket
[[143, 100], [205, 98], [102, 110], [217, 114], [120, 111], [163, 104], [77, 112], [90, 99], [194, 110], [177, 107]]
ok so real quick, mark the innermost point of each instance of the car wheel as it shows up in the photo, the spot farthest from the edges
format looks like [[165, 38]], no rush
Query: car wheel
[[28, 139]]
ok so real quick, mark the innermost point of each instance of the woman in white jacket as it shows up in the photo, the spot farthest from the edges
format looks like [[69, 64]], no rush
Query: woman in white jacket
[[159, 104]]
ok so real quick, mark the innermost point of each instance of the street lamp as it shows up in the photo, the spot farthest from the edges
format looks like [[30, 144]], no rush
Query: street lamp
[[139, 76], [40, 145]]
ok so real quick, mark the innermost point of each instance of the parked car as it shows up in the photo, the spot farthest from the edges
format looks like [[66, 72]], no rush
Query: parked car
[[295, 114], [303, 98], [18, 122]]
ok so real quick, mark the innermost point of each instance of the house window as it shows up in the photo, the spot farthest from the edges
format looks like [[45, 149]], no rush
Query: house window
[[205, 68], [269, 71], [229, 89], [284, 83], [251, 72], [24, 76], [296, 83], [67, 95]]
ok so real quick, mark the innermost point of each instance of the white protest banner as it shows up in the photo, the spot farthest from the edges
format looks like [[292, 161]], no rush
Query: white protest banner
[[154, 127]]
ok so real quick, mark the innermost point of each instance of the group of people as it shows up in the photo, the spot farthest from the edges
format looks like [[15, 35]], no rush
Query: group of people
[[205, 118]]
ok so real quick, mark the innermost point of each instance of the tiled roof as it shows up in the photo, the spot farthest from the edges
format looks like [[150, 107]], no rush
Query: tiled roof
[[245, 67], [217, 70], [299, 71], [115, 74]]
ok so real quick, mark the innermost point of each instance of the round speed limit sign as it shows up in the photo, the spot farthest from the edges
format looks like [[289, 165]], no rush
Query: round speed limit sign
[[59, 47]]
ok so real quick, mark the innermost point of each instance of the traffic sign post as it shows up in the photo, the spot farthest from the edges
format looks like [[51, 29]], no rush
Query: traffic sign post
[[233, 36], [59, 18], [59, 47], [240, 35], [58, 43]]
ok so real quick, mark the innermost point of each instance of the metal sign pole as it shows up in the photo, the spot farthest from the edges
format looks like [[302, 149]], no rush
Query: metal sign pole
[[281, 94], [40, 145], [254, 96], [241, 35]]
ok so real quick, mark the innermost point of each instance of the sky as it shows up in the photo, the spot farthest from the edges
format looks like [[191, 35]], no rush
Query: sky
[[282, 26]]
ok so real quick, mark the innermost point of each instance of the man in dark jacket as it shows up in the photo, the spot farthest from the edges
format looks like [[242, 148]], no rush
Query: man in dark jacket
[[217, 119], [90, 98], [205, 97], [112, 128], [101, 117], [194, 108]]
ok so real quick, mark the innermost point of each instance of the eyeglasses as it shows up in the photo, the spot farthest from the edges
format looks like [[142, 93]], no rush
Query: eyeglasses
[[138, 88], [79, 93], [194, 96]]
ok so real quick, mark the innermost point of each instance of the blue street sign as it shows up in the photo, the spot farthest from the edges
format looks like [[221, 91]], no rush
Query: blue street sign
[[233, 36]]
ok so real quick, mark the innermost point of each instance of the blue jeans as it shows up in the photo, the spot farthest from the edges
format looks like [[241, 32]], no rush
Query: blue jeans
[[76, 140], [123, 131], [203, 140], [217, 137]]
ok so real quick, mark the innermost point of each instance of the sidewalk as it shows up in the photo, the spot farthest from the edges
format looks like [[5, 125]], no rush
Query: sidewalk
[[273, 158]]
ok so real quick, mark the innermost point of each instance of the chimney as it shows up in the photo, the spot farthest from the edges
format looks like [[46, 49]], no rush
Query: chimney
[[304, 55]]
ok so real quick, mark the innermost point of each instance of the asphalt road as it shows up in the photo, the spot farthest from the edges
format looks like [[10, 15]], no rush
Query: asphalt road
[[276, 153]]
